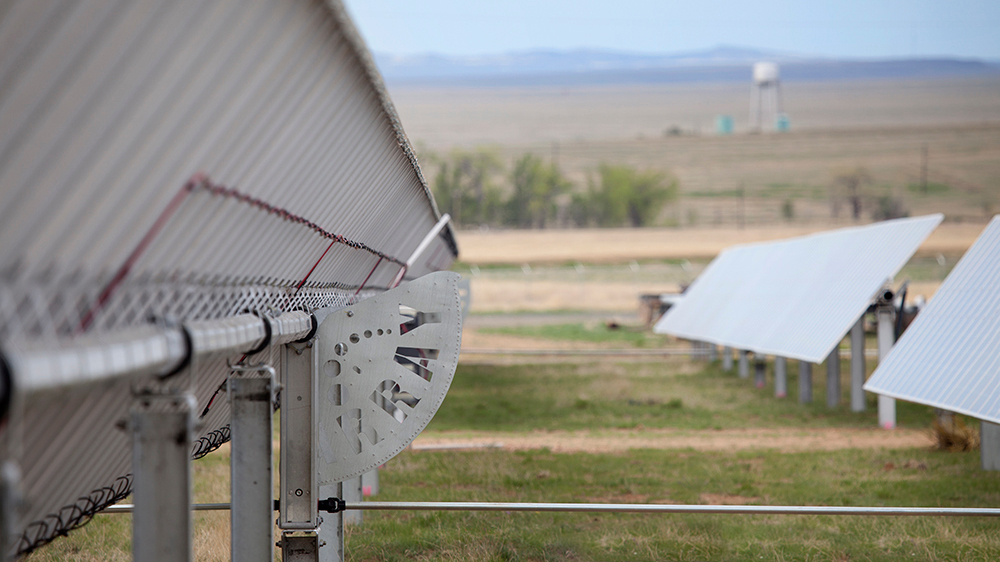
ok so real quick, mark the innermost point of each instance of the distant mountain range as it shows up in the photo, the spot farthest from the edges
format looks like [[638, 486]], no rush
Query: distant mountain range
[[718, 64]]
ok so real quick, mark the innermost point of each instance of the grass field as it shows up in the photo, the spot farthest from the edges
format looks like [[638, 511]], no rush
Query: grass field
[[650, 431]]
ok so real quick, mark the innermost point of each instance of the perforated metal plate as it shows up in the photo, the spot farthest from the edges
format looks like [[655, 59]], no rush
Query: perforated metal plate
[[385, 366]]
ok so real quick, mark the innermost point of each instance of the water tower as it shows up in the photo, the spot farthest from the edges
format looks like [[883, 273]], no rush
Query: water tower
[[765, 98]]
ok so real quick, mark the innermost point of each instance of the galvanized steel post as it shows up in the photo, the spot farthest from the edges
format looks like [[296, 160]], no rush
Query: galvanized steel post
[[727, 358], [353, 491], [760, 370], [989, 445], [331, 532], [10, 480], [858, 365], [713, 352], [297, 490], [780, 377], [162, 425], [886, 338], [833, 378], [805, 382], [744, 364], [252, 403]]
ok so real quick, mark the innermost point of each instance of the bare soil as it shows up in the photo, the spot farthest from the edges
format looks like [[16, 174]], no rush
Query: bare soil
[[785, 440]]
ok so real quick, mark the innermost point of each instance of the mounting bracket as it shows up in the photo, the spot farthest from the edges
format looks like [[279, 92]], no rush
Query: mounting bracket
[[385, 365]]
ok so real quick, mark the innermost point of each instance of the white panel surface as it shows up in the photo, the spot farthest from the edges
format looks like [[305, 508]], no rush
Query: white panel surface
[[796, 297], [948, 357]]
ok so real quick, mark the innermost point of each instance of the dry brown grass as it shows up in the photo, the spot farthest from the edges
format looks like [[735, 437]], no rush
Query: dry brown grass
[[952, 434], [619, 245]]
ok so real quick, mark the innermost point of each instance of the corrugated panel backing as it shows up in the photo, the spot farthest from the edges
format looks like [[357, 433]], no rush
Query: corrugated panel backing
[[948, 356], [798, 297], [192, 159]]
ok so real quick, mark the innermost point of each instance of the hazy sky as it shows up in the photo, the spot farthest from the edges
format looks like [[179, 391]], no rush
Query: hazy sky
[[853, 28]]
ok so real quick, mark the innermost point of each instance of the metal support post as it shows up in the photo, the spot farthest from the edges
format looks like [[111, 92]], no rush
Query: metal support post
[[805, 382], [162, 425], [331, 532], [10, 480], [886, 338], [697, 348], [300, 547], [369, 483], [744, 369], [713, 353], [833, 378], [297, 490], [858, 365], [352, 492], [780, 377], [989, 445], [252, 537], [727, 358], [760, 370]]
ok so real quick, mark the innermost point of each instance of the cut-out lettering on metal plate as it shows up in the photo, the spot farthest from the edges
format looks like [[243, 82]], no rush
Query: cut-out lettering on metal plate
[[385, 366]]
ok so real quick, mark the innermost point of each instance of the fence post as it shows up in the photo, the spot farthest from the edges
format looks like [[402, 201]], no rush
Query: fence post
[[858, 365], [252, 404], [805, 382], [886, 338], [833, 378], [162, 425], [780, 377]]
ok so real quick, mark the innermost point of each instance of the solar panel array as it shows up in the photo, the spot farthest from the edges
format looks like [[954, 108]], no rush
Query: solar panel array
[[795, 298], [948, 357], [186, 160]]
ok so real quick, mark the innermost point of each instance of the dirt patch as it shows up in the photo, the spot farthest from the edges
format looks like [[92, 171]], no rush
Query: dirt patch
[[786, 440]]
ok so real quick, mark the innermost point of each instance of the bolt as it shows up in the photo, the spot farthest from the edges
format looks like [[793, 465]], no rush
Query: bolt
[[350, 314], [298, 492]]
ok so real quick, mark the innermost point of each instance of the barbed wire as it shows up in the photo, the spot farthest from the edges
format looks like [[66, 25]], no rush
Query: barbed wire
[[76, 515]]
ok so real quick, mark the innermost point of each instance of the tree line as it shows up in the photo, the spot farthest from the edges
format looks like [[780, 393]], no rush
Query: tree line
[[476, 187]]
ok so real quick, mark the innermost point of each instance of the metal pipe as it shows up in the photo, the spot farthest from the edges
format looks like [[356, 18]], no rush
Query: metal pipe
[[441, 223], [727, 358], [145, 350], [780, 377], [661, 508], [610, 352], [640, 508], [858, 365], [833, 378]]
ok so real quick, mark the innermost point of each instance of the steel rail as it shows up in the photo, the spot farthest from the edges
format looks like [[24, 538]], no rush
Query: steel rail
[[641, 508], [609, 352]]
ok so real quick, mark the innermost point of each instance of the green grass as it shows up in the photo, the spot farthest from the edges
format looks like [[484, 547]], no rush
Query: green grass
[[624, 336], [919, 478], [613, 394], [655, 394]]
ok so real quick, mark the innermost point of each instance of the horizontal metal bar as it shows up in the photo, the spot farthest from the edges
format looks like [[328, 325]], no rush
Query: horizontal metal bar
[[144, 349], [659, 508], [596, 352], [127, 507], [641, 508]]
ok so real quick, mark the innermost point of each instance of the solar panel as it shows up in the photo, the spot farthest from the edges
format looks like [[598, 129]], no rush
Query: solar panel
[[948, 358], [797, 297], [186, 161]]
